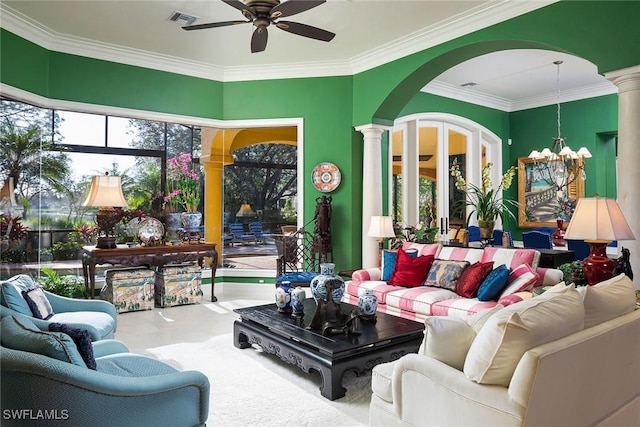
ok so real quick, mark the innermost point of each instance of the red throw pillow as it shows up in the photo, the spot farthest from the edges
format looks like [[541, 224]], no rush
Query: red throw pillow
[[472, 277], [410, 272]]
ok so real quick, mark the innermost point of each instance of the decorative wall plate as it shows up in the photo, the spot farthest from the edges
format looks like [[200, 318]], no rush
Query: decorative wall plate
[[150, 231], [326, 177]]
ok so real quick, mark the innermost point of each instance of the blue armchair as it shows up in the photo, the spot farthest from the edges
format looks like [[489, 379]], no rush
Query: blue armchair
[[125, 389], [96, 316]]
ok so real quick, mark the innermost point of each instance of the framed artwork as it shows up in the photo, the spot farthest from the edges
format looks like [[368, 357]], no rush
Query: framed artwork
[[540, 203]]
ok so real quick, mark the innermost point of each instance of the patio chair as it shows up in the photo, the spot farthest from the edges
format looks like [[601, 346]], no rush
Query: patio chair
[[256, 229], [239, 235]]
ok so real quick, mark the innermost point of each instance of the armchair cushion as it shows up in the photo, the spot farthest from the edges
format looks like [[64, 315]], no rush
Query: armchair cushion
[[102, 322], [19, 333], [12, 293], [82, 340], [38, 302]]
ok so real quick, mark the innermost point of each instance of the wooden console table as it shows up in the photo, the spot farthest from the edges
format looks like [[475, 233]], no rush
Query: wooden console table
[[149, 256]]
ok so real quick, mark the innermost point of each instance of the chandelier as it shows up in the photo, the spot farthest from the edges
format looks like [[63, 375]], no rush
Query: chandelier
[[559, 166]]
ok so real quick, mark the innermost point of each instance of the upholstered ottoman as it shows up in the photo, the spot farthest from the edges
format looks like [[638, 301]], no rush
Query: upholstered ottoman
[[129, 289], [178, 285]]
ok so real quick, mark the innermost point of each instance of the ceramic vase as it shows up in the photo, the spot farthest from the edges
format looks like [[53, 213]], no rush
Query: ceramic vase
[[486, 229], [298, 296], [558, 236], [368, 303], [191, 220], [319, 284], [283, 297]]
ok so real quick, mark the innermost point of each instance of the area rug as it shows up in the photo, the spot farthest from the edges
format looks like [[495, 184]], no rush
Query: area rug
[[253, 388]]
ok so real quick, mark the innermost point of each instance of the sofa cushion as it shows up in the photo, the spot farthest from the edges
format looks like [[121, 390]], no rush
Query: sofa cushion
[[511, 257], [522, 278], [389, 260], [493, 285], [82, 340], [381, 379], [514, 298], [460, 308], [471, 279], [19, 333], [422, 248], [508, 334], [608, 299], [448, 339], [445, 273], [418, 299], [460, 254], [410, 271], [12, 293], [38, 302], [380, 289]]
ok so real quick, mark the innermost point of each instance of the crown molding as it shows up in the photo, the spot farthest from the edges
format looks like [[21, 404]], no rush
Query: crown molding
[[466, 95], [476, 19]]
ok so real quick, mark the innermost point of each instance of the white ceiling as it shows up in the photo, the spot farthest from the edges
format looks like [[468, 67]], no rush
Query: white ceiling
[[368, 33]]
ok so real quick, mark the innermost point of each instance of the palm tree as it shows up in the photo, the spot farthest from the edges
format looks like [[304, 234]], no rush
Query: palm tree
[[31, 161]]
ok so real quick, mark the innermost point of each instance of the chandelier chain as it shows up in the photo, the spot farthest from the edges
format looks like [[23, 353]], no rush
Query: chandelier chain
[[558, 94]]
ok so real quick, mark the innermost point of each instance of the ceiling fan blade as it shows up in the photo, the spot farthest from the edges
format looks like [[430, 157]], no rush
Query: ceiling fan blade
[[213, 25], [292, 7], [237, 4], [306, 30], [259, 39]]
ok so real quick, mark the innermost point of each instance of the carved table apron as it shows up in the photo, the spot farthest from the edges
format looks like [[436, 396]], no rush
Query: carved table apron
[[386, 339], [150, 256]]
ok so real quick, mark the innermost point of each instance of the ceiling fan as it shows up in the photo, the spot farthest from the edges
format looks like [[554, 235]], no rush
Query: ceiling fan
[[262, 13]]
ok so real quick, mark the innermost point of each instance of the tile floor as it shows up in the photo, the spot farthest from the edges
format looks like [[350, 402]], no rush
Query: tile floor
[[140, 330]]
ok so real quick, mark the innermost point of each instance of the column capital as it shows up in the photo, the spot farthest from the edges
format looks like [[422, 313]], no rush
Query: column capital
[[372, 129], [626, 79]]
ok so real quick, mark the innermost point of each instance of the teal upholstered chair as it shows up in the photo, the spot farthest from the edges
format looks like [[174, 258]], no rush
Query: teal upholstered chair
[[98, 317], [43, 370]]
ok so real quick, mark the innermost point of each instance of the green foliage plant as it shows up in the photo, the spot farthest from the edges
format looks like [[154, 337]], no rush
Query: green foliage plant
[[70, 285], [485, 201]]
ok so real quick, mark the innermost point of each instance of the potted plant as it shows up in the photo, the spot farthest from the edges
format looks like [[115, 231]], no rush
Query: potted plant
[[485, 201], [420, 233], [185, 189]]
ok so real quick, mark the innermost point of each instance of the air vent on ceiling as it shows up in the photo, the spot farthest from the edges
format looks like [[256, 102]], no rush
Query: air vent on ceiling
[[469, 84], [182, 18]]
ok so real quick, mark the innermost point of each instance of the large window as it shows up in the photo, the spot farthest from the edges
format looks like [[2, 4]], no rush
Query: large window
[[48, 156]]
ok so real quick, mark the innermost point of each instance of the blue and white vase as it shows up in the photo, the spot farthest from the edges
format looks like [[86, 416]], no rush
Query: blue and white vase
[[368, 303], [283, 297], [191, 220], [318, 284], [298, 296]]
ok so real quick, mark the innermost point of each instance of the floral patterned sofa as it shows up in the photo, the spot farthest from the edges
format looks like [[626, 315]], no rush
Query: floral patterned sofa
[[446, 290]]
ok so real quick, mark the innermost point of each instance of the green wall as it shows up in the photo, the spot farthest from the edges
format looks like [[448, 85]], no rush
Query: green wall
[[605, 33]]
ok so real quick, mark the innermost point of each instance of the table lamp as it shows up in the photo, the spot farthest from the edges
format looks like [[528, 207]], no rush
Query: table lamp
[[381, 227], [106, 194], [598, 221]]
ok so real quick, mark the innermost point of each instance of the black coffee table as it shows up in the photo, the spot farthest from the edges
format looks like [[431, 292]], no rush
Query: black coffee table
[[387, 339]]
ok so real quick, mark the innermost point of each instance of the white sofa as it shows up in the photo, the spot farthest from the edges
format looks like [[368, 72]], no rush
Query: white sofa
[[588, 377]]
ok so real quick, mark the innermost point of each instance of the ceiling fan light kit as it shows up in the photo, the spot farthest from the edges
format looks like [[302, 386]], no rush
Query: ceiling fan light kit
[[262, 13]]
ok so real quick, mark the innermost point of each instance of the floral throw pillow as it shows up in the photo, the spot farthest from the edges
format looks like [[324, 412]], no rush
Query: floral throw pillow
[[445, 273]]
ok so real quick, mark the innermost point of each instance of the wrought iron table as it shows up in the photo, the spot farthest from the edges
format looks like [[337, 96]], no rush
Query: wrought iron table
[[150, 256]]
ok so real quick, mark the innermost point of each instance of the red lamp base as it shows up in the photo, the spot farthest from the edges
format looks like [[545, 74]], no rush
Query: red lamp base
[[597, 266]]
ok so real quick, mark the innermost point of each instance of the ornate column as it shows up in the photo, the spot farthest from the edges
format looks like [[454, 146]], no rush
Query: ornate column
[[371, 188], [628, 83]]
